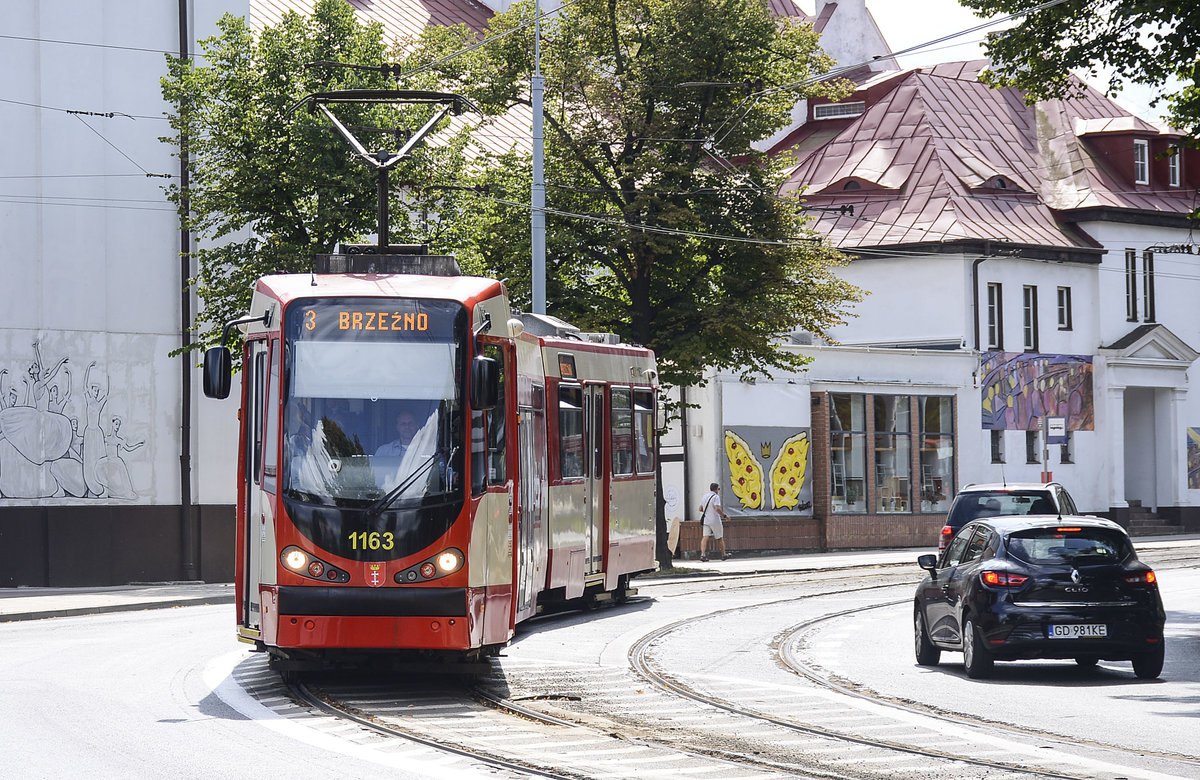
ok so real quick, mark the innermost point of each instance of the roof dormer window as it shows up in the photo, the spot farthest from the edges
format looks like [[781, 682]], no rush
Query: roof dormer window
[[1174, 166], [851, 185], [839, 110], [1141, 161], [1000, 183]]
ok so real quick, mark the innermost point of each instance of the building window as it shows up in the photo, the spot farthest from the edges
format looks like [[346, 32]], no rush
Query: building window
[[893, 481], [1066, 449], [1031, 447], [1030, 326], [997, 446], [936, 449], [848, 452], [1175, 166], [1064, 308], [1131, 285], [995, 316], [1148, 286], [1141, 162]]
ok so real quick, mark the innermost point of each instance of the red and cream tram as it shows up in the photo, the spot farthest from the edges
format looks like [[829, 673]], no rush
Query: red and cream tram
[[419, 471]]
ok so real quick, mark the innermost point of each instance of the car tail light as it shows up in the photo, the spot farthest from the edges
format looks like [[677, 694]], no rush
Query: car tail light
[[1142, 578], [1002, 579], [944, 537]]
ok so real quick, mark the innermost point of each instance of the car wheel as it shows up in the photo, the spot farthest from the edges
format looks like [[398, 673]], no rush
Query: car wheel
[[1149, 665], [927, 654], [976, 658]]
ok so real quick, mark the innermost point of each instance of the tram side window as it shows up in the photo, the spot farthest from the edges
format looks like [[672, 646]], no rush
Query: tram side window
[[622, 431], [271, 445], [643, 430], [570, 432]]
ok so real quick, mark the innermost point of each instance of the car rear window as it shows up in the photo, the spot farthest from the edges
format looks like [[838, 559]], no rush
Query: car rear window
[[1001, 502], [1076, 546]]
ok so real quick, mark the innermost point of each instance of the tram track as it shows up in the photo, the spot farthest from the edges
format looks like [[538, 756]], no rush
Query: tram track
[[390, 728], [643, 665], [543, 734]]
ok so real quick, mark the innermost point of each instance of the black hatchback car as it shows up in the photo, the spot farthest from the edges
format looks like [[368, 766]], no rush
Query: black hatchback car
[[1010, 588]]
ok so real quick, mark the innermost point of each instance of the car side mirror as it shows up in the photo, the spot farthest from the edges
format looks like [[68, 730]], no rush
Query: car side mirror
[[218, 368], [485, 383], [928, 562]]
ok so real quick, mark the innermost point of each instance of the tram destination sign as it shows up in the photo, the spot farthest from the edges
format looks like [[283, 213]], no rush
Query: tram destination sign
[[373, 319]]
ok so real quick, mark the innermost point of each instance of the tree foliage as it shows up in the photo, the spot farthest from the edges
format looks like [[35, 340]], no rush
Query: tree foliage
[[269, 186], [1140, 42], [663, 221]]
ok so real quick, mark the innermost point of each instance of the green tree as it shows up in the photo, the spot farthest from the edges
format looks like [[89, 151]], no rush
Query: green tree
[[1140, 42], [271, 187], [663, 220]]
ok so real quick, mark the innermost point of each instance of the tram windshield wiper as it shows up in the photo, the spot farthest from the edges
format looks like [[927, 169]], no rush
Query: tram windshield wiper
[[379, 505]]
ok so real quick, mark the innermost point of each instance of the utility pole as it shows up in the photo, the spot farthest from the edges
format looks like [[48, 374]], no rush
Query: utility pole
[[537, 214]]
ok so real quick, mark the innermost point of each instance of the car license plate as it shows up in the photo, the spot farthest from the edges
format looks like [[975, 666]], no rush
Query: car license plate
[[1077, 631]]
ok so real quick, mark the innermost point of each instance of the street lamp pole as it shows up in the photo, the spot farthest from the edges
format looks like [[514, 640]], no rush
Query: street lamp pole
[[538, 194]]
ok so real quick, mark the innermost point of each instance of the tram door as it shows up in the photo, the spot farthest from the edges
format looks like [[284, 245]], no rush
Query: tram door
[[256, 377], [528, 504], [597, 499]]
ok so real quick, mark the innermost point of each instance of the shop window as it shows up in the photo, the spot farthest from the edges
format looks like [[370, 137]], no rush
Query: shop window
[[893, 455], [848, 452], [936, 452]]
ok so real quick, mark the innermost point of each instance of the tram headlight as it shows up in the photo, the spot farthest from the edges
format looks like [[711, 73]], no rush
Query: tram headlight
[[449, 561], [296, 560], [316, 568]]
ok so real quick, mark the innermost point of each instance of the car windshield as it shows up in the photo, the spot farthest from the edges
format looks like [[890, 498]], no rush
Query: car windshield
[[1074, 546]]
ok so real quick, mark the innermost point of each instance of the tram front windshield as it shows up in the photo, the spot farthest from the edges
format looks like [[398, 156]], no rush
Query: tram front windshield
[[373, 422]]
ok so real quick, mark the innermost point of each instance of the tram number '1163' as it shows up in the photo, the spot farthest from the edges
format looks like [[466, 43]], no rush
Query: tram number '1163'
[[373, 540]]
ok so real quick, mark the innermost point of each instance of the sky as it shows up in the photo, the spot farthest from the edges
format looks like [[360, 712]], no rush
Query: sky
[[906, 23]]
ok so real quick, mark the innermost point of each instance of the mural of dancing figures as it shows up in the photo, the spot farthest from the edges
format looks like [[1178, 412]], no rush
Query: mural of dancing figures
[[1019, 389], [58, 436], [771, 475]]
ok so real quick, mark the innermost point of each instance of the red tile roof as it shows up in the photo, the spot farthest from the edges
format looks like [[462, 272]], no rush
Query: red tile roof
[[938, 156]]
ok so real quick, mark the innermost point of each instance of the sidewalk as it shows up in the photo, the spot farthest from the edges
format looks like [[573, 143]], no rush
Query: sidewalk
[[36, 603]]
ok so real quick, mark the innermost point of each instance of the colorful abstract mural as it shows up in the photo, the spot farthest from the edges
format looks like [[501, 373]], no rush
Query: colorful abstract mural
[[1193, 458], [1019, 389]]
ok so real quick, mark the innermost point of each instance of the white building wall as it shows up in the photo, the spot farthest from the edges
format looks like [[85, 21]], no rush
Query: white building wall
[[910, 299], [90, 263]]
